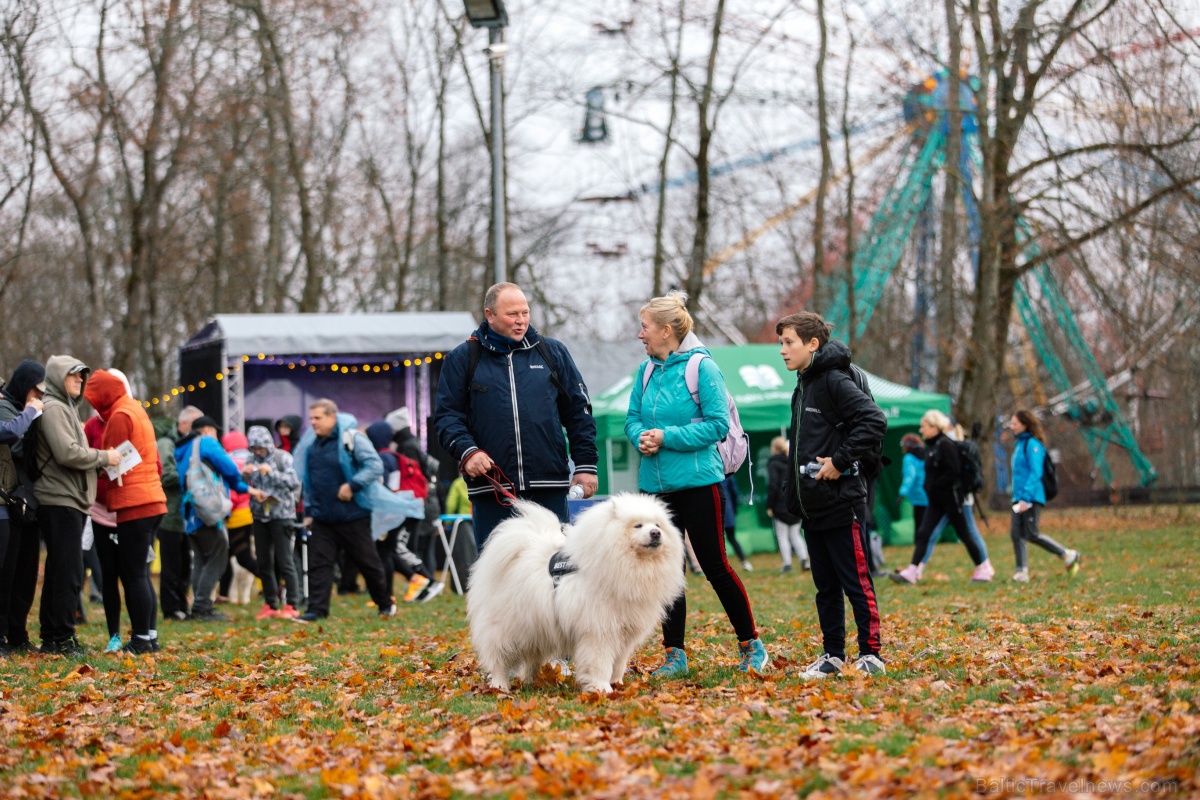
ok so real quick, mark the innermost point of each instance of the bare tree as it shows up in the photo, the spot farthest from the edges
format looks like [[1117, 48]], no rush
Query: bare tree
[[955, 183], [818, 235]]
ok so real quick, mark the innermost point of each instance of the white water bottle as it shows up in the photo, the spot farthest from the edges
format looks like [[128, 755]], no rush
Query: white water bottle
[[576, 492]]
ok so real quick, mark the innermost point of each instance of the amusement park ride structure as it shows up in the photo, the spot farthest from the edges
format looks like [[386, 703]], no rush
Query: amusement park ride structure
[[907, 207]]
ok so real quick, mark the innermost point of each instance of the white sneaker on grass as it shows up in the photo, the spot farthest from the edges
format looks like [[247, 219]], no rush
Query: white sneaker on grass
[[1021, 576], [824, 667], [870, 665]]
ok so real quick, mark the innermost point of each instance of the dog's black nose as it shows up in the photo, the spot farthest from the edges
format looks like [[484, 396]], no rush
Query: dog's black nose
[[655, 534]]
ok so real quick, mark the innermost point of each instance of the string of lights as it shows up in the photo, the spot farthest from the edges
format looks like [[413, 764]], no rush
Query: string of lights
[[303, 364]]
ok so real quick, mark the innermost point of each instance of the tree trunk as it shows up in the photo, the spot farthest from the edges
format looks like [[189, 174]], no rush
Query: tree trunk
[[820, 287], [707, 127], [954, 185], [660, 219], [310, 298]]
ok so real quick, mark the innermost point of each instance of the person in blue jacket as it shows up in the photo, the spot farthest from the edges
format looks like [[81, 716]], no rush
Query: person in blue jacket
[[729, 502], [210, 543], [1029, 495], [340, 471], [503, 400], [912, 482], [676, 433]]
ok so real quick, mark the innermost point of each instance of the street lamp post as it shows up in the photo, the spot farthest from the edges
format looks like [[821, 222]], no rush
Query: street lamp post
[[490, 14]]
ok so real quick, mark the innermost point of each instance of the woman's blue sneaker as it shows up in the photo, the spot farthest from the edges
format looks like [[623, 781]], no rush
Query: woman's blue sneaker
[[114, 644], [674, 667], [754, 656]]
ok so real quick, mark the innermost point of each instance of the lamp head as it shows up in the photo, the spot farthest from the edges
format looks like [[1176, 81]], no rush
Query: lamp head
[[486, 13]]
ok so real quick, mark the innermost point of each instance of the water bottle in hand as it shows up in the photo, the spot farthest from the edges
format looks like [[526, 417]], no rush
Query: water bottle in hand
[[576, 492], [813, 467]]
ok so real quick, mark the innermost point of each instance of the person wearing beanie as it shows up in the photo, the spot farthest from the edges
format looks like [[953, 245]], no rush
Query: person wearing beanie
[[421, 532], [174, 546], [20, 554], [394, 552], [210, 544], [65, 486], [137, 499], [240, 525], [271, 470]]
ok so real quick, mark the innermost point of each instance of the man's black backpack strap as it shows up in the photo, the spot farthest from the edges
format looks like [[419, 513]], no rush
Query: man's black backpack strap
[[475, 351]]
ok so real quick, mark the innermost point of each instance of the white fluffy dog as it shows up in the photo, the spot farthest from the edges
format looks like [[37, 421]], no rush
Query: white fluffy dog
[[628, 569]]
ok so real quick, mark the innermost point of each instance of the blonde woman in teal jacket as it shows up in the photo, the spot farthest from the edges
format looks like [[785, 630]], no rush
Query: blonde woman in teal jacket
[[677, 437]]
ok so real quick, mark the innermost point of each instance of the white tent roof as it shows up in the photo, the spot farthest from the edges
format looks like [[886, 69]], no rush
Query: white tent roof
[[296, 334]]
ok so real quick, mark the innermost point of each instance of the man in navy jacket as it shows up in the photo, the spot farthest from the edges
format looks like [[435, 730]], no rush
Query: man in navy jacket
[[503, 400]]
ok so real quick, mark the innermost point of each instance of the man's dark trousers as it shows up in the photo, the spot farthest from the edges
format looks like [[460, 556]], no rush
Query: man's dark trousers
[[354, 538], [62, 529], [19, 578], [175, 549]]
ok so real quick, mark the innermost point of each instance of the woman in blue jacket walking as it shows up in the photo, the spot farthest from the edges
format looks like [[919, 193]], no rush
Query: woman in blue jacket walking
[[676, 431], [1029, 495]]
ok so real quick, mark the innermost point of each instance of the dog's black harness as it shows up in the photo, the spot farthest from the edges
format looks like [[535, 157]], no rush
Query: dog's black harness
[[560, 566]]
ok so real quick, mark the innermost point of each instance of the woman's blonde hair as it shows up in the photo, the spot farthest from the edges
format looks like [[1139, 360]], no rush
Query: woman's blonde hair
[[937, 419], [671, 312], [779, 445]]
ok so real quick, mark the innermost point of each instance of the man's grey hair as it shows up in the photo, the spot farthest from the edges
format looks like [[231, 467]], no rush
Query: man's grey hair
[[325, 404], [493, 294], [189, 414]]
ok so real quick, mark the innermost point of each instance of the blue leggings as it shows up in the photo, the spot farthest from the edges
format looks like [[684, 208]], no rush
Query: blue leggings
[[972, 534]]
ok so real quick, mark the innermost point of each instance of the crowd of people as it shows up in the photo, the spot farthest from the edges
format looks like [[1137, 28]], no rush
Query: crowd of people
[[297, 509], [98, 495]]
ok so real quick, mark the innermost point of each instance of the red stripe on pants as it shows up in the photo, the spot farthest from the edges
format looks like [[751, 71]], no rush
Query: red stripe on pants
[[864, 581]]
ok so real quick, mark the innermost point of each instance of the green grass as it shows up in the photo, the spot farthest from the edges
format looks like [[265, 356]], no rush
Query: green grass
[[1085, 678]]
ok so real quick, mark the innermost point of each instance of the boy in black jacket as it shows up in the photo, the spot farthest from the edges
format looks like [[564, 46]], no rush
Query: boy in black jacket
[[837, 426]]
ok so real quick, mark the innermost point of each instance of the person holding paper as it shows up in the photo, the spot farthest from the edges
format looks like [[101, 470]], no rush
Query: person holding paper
[[137, 498], [65, 487]]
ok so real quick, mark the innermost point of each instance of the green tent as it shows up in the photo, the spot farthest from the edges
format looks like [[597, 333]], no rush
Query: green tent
[[762, 388]]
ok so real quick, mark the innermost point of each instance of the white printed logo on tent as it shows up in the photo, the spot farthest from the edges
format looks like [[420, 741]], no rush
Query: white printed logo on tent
[[760, 376]]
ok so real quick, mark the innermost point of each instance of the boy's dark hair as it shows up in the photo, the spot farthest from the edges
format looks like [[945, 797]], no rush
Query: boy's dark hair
[[808, 325]]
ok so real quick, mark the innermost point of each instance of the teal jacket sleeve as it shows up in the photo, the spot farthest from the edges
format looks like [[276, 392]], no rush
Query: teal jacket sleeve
[[633, 417]]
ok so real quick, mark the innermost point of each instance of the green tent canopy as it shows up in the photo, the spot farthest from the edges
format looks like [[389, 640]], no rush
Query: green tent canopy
[[762, 389]]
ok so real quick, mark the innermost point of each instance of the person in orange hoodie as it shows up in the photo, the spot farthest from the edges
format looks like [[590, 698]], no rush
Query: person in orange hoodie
[[137, 498]]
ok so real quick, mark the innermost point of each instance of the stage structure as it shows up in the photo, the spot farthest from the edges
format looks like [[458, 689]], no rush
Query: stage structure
[[246, 369]]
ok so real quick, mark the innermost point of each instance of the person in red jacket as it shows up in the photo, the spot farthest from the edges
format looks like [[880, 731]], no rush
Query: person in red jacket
[[137, 498]]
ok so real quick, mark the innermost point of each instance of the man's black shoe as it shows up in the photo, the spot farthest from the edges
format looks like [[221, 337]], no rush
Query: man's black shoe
[[209, 616], [309, 616], [20, 648], [139, 645], [65, 647]]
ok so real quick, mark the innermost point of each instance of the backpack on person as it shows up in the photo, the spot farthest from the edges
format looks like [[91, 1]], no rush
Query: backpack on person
[[29, 444], [734, 449], [970, 467], [870, 465], [411, 477], [1049, 473], [205, 492]]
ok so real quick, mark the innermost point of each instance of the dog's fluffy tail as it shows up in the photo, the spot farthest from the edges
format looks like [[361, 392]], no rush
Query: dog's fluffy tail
[[512, 538]]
